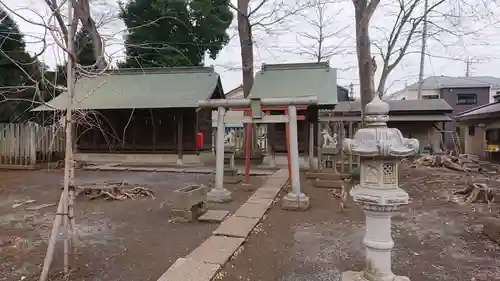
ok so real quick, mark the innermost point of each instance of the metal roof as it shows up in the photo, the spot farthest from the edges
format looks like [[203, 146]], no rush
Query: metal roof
[[480, 111], [392, 118], [400, 105], [296, 80], [440, 82], [142, 88]]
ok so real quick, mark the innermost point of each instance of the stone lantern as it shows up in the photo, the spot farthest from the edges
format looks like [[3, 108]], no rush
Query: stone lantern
[[380, 149]]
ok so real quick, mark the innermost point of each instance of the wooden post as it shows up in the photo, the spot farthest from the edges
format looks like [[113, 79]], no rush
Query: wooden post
[[180, 130], [32, 143]]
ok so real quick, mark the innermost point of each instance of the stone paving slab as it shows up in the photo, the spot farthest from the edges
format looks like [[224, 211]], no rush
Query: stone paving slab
[[251, 210], [216, 249], [266, 193], [214, 216], [236, 227], [260, 201], [190, 270]]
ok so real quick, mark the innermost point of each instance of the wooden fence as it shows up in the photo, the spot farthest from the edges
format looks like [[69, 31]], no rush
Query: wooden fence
[[26, 144]]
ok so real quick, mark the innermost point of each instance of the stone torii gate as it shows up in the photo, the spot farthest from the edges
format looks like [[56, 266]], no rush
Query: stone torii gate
[[295, 200]]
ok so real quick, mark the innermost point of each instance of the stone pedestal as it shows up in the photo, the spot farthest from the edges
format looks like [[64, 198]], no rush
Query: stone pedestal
[[380, 149], [219, 195], [188, 203], [294, 202]]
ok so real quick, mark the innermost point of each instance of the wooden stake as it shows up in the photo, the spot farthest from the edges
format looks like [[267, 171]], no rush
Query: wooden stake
[[52, 242], [64, 203]]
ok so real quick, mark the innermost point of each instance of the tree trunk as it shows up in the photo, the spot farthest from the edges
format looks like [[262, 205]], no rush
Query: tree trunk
[[246, 42], [246, 49], [363, 49], [382, 82]]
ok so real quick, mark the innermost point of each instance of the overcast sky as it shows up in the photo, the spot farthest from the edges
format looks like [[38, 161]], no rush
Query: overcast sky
[[447, 56]]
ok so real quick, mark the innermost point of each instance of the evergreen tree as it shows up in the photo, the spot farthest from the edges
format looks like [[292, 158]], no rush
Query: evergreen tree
[[21, 78], [84, 48], [164, 33]]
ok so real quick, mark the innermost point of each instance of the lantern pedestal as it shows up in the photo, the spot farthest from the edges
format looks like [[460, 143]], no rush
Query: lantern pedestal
[[380, 149]]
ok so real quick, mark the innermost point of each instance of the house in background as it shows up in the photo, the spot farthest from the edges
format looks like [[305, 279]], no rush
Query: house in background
[[482, 129], [461, 93], [236, 93], [420, 119], [144, 115]]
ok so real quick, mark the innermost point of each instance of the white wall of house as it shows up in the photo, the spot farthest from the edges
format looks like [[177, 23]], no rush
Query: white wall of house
[[412, 94], [493, 92], [234, 94]]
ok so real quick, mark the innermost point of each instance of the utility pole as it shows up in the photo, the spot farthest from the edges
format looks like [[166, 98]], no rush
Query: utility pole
[[351, 92], [422, 52], [467, 69]]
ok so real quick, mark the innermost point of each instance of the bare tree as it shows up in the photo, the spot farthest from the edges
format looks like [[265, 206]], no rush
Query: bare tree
[[322, 29], [261, 16], [404, 32], [78, 11], [444, 18], [363, 12]]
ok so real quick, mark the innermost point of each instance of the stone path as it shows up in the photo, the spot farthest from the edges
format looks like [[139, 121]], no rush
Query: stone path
[[203, 263]]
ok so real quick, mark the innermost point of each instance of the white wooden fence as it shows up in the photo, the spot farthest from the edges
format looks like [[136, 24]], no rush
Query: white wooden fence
[[26, 144]]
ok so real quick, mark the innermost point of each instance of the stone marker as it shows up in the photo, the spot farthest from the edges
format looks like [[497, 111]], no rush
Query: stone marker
[[189, 202], [190, 270], [380, 149], [214, 216], [216, 249]]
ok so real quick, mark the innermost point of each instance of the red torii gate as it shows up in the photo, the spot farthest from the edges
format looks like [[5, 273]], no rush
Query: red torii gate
[[248, 139]]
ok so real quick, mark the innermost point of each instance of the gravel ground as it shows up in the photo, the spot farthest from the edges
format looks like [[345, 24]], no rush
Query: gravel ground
[[435, 238], [118, 240]]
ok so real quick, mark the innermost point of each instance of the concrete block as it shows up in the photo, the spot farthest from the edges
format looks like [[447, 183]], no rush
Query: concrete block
[[338, 184], [219, 195], [250, 210], [358, 276], [190, 270], [294, 202], [186, 197], [214, 216], [491, 228], [216, 249], [180, 215], [236, 227]]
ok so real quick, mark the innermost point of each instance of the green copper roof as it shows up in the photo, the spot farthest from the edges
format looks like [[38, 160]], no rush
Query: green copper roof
[[296, 80], [142, 88]]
